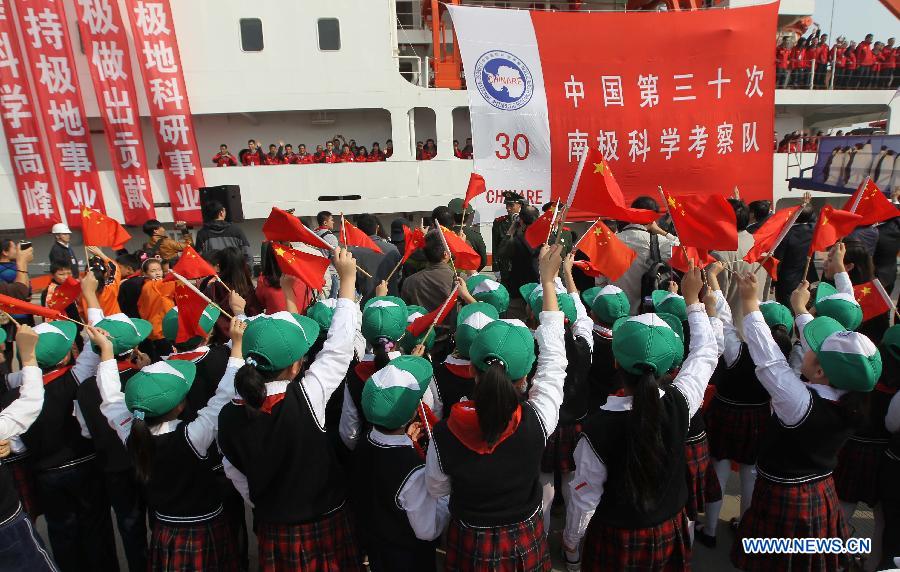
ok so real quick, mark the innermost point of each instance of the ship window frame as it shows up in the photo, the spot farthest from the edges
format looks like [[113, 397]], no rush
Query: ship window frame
[[319, 34], [262, 38]]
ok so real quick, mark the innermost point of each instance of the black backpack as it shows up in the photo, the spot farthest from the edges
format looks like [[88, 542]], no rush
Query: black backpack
[[658, 275]]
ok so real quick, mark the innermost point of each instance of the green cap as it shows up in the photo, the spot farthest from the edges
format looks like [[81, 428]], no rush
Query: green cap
[[55, 339], [384, 317], [207, 322], [535, 299], [590, 294], [849, 359], [509, 341], [645, 342], [408, 342], [670, 303], [609, 304], [322, 312], [484, 289], [891, 341], [842, 307], [159, 387], [126, 333], [272, 342], [391, 396], [456, 207], [776, 314], [677, 327], [471, 319]]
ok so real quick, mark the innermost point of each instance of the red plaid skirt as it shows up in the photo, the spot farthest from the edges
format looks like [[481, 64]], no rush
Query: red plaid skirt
[[664, 547], [512, 548], [23, 479], [325, 545], [559, 453], [702, 483], [856, 473], [192, 547], [734, 433], [808, 510]]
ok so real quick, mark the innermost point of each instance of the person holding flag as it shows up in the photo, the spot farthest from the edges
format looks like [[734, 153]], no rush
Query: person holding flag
[[462, 216], [500, 230]]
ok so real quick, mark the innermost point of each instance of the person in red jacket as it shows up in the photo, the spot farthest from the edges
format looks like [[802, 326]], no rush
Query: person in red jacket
[[362, 156], [252, 156], [376, 155], [891, 79], [388, 148], [346, 155], [319, 154], [302, 157], [800, 64], [782, 62], [287, 155], [884, 65], [839, 61], [467, 150], [224, 158], [329, 156], [865, 61], [457, 152], [821, 61], [273, 157], [850, 74]]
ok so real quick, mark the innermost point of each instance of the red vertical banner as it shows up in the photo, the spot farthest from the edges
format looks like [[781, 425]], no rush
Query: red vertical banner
[[22, 132], [160, 63], [49, 54], [106, 47]]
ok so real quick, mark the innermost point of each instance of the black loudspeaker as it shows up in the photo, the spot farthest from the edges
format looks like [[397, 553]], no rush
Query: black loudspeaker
[[228, 195]]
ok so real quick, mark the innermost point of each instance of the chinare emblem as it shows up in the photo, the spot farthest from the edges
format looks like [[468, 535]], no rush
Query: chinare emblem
[[503, 80]]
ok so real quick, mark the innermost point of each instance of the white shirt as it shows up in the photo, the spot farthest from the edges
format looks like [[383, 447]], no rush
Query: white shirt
[[21, 413], [586, 487]]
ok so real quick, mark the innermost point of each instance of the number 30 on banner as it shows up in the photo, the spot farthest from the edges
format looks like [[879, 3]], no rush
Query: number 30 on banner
[[517, 146]]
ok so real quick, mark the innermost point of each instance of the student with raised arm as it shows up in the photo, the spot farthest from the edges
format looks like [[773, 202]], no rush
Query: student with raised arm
[[812, 418], [487, 453], [629, 490], [274, 442], [171, 457]]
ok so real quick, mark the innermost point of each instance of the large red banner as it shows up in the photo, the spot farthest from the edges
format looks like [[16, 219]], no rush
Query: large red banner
[[106, 47], [49, 54], [160, 63], [682, 100], [23, 134]]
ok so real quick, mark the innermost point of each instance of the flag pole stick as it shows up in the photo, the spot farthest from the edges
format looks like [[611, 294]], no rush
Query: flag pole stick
[[425, 421], [196, 291], [806, 268], [437, 226], [553, 220], [859, 194], [393, 270], [582, 237], [344, 236], [440, 312], [885, 296], [11, 319]]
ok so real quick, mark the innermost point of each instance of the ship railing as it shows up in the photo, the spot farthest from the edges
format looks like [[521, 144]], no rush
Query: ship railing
[[810, 73]]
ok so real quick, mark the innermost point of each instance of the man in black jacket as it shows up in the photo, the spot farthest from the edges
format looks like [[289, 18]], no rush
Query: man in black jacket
[[792, 254], [217, 233], [61, 252]]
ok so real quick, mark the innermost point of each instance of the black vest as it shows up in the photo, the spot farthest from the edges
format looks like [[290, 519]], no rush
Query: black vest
[[498, 488], [380, 472], [807, 451], [112, 455], [606, 433], [451, 387], [738, 385], [874, 431], [287, 458], [576, 388], [605, 378], [210, 370]]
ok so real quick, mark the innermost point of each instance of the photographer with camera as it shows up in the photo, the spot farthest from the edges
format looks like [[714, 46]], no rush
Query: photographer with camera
[[159, 244]]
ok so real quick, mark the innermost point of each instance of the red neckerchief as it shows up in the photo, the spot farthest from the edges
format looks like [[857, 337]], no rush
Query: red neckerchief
[[189, 356], [460, 370], [55, 374], [268, 403], [463, 423], [365, 369], [124, 365], [885, 389]]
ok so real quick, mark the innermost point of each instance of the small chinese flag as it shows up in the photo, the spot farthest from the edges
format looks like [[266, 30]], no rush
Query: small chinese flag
[[833, 224], [771, 233], [193, 266], [464, 256], [771, 266], [309, 268], [873, 299], [190, 309], [64, 294], [704, 221], [599, 194], [608, 255], [413, 239], [701, 258], [352, 236], [12, 305], [101, 230], [282, 226], [475, 188], [537, 232], [870, 203], [421, 324]]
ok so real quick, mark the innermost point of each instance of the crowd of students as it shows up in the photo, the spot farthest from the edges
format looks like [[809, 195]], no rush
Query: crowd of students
[[337, 150], [352, 439], [810, 62]]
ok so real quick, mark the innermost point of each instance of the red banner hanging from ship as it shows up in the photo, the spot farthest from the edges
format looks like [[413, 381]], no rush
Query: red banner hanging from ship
[[109, 59], [34, 184], [690, 106], [160, 61]]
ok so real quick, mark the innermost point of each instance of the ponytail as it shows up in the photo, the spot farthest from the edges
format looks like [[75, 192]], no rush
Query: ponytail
[[250, 384], [496, 399], [141, 448], [782, 338], [646, 453], [380, 350]]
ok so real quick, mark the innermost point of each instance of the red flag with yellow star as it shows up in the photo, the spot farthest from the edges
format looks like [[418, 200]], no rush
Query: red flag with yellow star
[[63, 294], [413, 239], [190, 310], [701, 258], [352, 236], [872, 298], [599, 194], [608, 255], [870, 203], [309, 268], [833, 225], [771, 233], [101, 230], [282, 226], [704, 221], [192, 266], [538, 232]]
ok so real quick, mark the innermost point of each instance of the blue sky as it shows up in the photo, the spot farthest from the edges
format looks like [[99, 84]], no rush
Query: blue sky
[[855, 19]]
